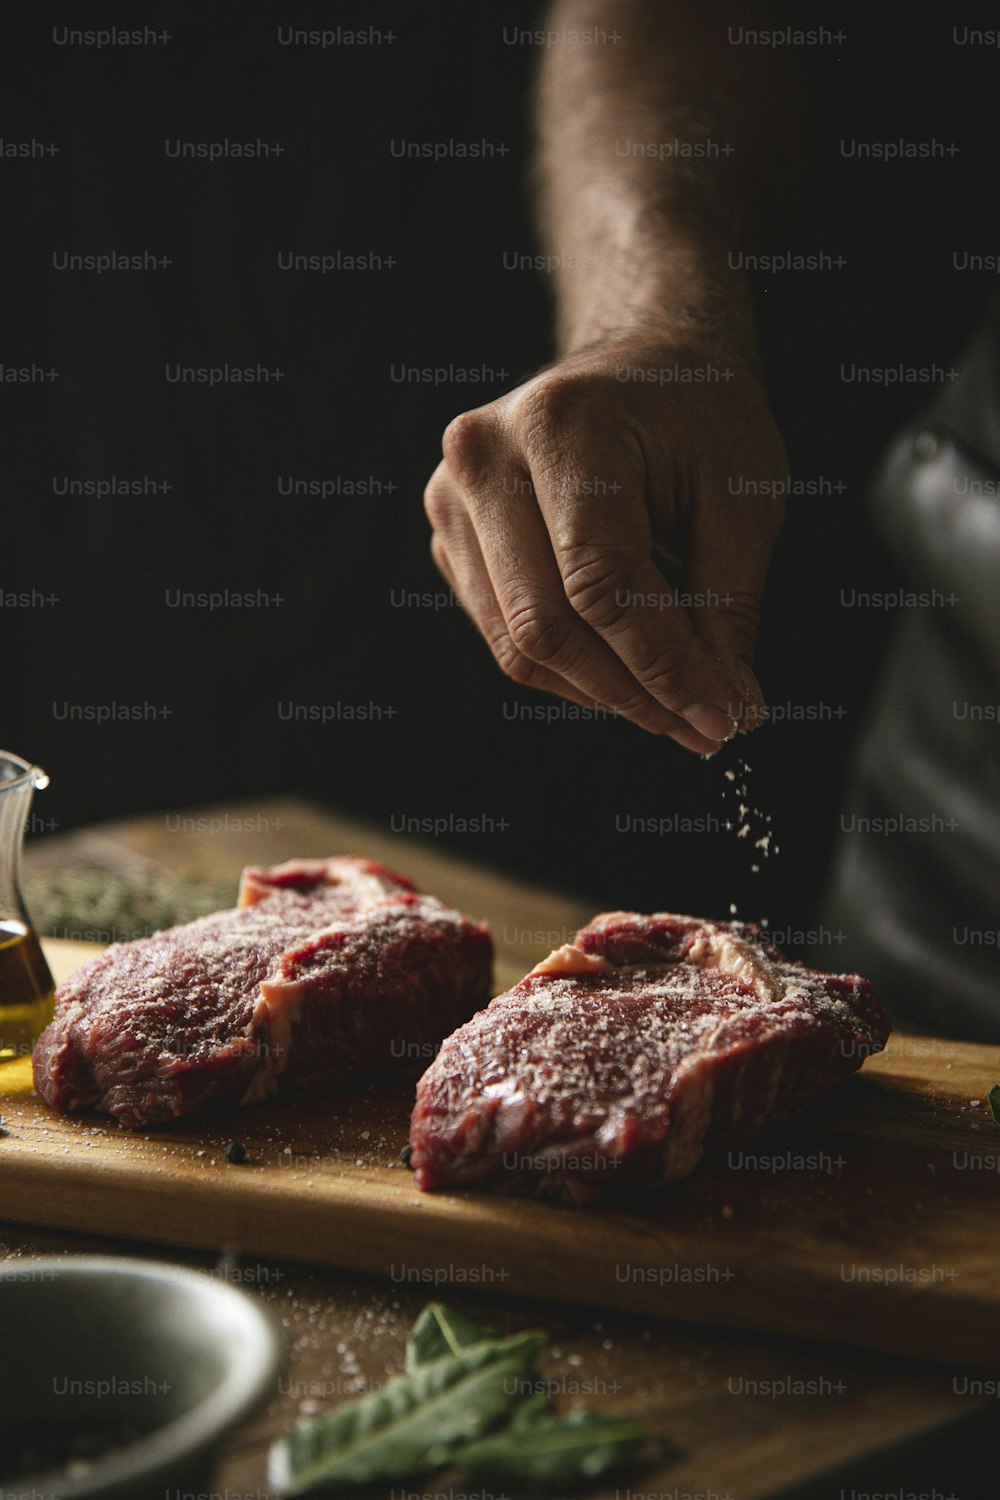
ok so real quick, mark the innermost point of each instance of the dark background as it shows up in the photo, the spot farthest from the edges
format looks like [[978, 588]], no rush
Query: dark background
[[337, 637]]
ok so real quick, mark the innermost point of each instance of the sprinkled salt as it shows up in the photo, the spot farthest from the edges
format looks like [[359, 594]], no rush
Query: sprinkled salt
[[748, 820]]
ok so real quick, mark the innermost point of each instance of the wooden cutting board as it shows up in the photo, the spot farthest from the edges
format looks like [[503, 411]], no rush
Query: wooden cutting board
[[871, 1221]]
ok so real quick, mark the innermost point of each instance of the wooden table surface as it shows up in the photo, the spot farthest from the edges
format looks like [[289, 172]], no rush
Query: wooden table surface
[[742, 1417]]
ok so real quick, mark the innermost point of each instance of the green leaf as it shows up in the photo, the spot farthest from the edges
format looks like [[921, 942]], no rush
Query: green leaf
[[416, 1423], [441, 1330], [530, 1409], [993, 1100], [554, 1452], [468, 1400]]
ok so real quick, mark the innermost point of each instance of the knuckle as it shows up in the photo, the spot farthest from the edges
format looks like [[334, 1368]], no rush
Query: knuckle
[[437, 504], [640, 709], [512, 662], [549, 408], [744, 608], [596, 584], [664, 677], [537, 633], [741, 613], [466, 445]]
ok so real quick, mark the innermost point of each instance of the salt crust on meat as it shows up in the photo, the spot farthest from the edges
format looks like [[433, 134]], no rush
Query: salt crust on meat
[[342, 953], [631, 1044]]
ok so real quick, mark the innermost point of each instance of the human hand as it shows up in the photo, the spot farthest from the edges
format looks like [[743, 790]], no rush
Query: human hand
[[548, 504]]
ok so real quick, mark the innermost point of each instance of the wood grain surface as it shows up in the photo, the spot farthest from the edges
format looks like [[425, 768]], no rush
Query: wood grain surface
[[870, 1220], [743, 1417]]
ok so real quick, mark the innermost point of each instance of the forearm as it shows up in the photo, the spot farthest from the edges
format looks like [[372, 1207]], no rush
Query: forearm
[[660, 153], [563, 584]]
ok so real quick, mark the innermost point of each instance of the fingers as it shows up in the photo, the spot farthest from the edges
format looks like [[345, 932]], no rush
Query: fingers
[[517, 553], [466, 573], [542, 515], [592, 499]]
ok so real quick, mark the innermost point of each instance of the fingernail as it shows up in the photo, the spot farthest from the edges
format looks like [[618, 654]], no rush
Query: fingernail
[[710, 721], [748, 710], [749, 683]]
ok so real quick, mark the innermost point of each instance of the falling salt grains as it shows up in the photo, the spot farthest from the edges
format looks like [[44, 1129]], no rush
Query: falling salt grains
[[748, 822]]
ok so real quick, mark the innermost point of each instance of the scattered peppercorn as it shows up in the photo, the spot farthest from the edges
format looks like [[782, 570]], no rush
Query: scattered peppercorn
[[405, 1155], [236, 1151]]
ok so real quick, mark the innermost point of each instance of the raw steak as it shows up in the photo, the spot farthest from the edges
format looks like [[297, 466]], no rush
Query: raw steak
[[328, 971], [625, 1056]]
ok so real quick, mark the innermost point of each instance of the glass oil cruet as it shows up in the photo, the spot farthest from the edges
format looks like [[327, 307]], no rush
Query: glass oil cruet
[[26, 988]]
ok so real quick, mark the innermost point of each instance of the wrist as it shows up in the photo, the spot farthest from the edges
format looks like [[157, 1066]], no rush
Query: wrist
[[669, 296]]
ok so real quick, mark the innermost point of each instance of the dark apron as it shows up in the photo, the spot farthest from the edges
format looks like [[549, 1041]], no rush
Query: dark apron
[[915, 885]]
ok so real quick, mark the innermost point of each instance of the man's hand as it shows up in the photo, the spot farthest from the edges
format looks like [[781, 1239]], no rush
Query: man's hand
[[548, 505], [656, 158]]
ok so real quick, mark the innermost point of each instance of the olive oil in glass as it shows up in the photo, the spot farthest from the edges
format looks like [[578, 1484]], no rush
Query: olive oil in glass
[[26, 989]]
